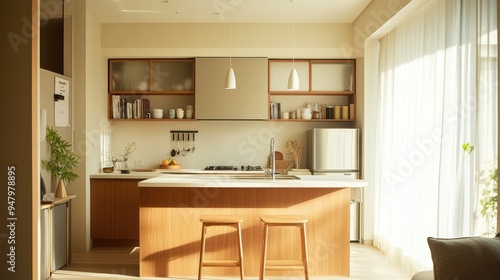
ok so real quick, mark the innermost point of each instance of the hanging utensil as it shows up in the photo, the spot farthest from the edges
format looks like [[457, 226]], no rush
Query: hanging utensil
[[183, 152], [189, 143], [173, 152], [178, 144], [192, 149]]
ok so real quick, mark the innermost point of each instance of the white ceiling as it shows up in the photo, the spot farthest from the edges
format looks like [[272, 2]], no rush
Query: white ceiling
[[212, 11]]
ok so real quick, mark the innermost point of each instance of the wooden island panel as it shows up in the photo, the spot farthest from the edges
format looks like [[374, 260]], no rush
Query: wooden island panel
[[170, 229]]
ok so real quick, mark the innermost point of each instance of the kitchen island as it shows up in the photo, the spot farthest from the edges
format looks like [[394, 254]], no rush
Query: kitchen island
[[169, 226]]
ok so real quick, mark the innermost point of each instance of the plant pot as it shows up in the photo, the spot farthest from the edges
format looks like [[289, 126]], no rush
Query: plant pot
[[61, 190]]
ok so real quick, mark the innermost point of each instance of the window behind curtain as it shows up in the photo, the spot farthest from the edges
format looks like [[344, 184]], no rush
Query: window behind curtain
[[438, 99]]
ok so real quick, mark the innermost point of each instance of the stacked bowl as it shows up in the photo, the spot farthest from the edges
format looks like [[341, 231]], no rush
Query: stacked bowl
[[180, 113], [189, 111], [157, 113]]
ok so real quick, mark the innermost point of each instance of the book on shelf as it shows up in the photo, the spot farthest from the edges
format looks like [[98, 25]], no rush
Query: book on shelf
[[128, 108], [123, 108], [130, 112], [275, 110], [115, 105], [146, 109]]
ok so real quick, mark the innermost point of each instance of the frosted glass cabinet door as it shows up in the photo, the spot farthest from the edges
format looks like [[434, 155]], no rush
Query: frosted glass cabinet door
[[172, 75], [129, 75]]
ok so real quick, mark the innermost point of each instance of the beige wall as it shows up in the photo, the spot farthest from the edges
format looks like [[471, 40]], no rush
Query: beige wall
[[377, 14], [89, 109], [255, 40]]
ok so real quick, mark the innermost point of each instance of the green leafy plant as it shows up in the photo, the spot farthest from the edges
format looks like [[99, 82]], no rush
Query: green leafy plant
[[488, 179], [468, 148], [62, 159]]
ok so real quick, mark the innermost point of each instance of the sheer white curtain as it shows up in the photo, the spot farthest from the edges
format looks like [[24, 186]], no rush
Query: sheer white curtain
[[429, 107], [486, 154]]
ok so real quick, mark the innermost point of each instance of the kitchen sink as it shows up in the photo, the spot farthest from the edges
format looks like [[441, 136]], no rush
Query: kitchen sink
[[261, 177], [143, 170]]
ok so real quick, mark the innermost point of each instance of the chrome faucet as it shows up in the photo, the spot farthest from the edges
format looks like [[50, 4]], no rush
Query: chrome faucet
[[273, 160]]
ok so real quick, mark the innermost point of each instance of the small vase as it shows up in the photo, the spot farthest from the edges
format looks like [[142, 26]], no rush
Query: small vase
[[61, 190]]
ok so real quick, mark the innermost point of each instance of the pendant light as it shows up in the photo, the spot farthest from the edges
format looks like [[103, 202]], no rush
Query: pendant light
[[230, 82], [293, 79]]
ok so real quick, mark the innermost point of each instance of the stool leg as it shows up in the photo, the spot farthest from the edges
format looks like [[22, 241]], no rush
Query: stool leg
[[264, 253], [202, 249], [242, 274], [305, 259]]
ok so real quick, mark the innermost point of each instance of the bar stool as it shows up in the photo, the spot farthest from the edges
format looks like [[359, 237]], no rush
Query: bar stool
[[221, 220], [280, 221]]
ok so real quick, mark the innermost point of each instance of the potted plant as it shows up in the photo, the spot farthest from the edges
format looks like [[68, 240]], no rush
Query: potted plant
[[62, 161], [127, 152]]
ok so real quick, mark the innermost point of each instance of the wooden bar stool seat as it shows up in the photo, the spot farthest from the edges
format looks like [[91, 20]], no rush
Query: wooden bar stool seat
[[282, 221], [220, 220]]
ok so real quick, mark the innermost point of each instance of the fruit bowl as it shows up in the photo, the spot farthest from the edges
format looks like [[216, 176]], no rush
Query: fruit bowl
[[108, 169], [171, 166]]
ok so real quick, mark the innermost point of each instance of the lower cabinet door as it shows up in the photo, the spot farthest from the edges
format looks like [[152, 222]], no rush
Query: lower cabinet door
[[114, 211]]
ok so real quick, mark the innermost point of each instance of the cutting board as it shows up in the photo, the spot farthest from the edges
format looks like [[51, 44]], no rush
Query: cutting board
[[278, 155]]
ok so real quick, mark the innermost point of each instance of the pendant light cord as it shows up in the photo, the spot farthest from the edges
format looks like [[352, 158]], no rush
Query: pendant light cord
[[230, 34], [293, 33]]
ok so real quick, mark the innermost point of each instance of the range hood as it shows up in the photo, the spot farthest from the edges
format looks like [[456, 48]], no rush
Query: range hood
[[249, 101]]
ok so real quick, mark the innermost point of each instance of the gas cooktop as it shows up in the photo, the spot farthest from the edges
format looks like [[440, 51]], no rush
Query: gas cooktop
[[233, 168]]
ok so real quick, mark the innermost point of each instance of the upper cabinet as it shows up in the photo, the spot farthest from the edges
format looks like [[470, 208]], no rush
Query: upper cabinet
[[327, 86], [248, 101], [138, 86]]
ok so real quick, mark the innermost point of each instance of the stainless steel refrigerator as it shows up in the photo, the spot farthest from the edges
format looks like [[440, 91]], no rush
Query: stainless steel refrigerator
[[335, 151]]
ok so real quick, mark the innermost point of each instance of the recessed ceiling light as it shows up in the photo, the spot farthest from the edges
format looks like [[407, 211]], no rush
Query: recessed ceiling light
[[140, 11]]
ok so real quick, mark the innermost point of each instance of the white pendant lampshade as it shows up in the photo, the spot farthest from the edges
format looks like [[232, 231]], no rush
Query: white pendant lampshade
[[230, 79], [293, 80]]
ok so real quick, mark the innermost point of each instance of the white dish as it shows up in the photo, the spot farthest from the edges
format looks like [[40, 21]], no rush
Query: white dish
[[306, 116]]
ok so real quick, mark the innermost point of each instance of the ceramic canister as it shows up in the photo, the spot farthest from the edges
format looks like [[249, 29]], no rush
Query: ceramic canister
[[336, 112]]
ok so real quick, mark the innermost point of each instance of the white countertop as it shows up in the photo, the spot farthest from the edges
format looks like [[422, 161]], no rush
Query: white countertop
[[232, 181], [132, 175], [151, 173]]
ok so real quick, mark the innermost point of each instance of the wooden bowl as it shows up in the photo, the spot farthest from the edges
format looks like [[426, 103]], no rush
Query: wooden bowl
[[171, 166], [108, 169]]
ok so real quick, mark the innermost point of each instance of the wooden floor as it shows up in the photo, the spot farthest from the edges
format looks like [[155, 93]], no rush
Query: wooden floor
[[367, 263]]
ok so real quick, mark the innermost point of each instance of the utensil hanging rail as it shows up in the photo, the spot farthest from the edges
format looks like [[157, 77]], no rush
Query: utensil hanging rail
[[183, 131]]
